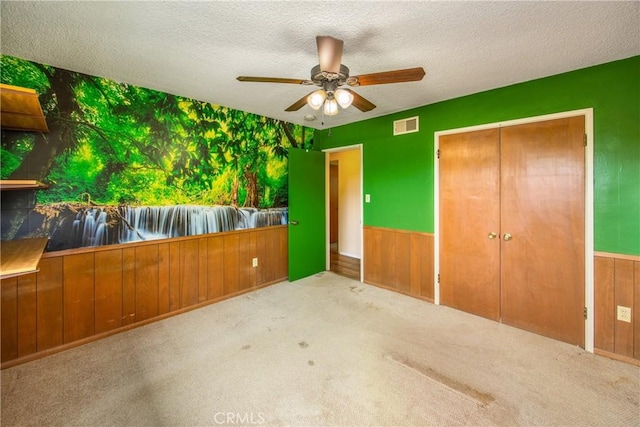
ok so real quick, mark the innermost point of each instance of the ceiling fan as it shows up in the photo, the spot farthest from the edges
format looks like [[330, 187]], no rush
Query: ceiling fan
[[331, 75]]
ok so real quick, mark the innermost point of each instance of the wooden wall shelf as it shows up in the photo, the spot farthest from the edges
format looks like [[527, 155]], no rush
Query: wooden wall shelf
[[20, 109], [18, 257], [21, 184]]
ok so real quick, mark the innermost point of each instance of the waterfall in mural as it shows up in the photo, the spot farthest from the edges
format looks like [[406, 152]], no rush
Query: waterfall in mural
[[98, 226]]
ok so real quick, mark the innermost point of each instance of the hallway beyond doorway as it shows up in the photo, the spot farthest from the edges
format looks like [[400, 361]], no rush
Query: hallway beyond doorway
[[344, 265]]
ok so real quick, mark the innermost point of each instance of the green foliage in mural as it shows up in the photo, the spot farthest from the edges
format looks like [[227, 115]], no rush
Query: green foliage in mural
[[112, 144]]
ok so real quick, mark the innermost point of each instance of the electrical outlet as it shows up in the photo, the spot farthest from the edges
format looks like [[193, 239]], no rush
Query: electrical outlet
[[255, 262], [624, 314]]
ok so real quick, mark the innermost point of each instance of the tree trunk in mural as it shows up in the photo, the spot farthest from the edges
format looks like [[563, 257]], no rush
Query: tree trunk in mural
[[253, 197], [234, 191], [289, 134], [47, 146], [10, 139], [60, 137]]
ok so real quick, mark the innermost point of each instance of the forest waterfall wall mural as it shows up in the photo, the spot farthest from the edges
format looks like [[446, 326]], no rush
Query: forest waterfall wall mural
[[124, 163]]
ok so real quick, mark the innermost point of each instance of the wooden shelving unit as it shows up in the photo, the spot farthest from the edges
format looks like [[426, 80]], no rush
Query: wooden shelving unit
[[21, 109], [21, 184], [18, 257]]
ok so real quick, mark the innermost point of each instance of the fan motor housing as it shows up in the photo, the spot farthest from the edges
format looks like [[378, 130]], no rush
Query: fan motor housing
[[318, 76]]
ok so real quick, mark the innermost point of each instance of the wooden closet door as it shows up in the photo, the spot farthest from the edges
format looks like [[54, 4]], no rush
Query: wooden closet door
[[542, 197], [469, 211]]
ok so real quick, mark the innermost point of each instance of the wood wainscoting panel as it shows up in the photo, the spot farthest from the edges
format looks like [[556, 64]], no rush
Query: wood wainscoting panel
[[27, 301], [262, 271], [231, 263], [9, 318], [617, 283], [203, 270], [415, 265], [78, 296], [388, 258], [128, 286], [239, 251], [422, 245], [147, 282], [164, 277], [402, 262], [604, 303], [84, 294], [283, 251], [623, 343], [174, 276], [372, 255], [399, 260], [189, 272], [108, 286], [49, 304], [215, 267], [246, 253], [271, 251]]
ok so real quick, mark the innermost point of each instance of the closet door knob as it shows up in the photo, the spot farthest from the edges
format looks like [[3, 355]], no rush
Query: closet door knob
[[507, 236], [492, 235]]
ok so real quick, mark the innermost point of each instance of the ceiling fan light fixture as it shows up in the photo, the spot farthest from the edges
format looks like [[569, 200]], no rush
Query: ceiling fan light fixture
[[330, 107], [316, 99], [330, 74], [344, 98]]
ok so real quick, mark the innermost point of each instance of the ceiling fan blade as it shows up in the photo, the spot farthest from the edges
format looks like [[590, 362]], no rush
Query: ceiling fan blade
[[273, 80], [298, 104], [329, 53], [361, 103], [397, 76]]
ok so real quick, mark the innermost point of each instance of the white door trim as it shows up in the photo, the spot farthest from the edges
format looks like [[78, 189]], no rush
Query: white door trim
[[327, 176], [589, 329]]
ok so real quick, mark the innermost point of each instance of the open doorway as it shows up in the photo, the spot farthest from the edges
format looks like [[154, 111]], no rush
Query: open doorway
[[344, 216], [333, 205]]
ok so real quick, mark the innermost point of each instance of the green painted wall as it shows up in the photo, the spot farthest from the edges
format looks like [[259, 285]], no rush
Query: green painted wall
[[398, 171]]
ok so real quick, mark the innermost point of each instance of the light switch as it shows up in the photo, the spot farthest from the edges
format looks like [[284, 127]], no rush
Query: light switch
[[367, 198]]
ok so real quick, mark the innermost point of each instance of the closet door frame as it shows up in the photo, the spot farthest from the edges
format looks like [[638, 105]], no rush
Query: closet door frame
[[589, 222]]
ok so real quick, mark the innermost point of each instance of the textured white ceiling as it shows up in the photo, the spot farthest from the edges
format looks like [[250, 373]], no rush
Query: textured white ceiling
[[197, 49]]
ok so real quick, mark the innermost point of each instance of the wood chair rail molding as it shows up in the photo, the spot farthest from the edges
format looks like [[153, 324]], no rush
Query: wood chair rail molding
[[396, 230], [96, 249], [617, 256]]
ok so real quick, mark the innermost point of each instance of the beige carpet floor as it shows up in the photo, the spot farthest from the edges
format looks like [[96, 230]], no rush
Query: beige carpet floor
[[322, 351]]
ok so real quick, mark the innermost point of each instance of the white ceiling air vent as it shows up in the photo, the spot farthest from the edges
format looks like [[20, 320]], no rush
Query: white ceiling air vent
[[403, 126]]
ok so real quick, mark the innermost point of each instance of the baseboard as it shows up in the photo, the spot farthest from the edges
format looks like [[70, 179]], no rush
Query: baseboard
[[349, 255], [388, 288], [618, 357]]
